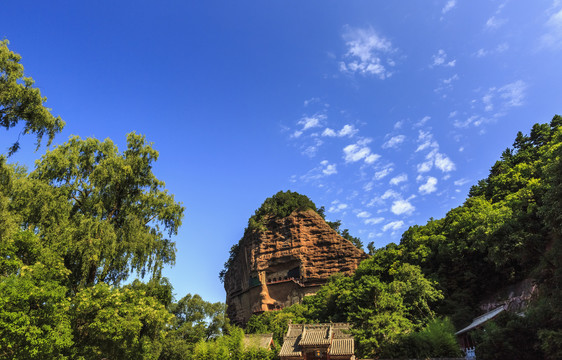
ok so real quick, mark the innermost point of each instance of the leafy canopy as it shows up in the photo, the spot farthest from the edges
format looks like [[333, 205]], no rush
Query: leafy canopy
[[20, 101]]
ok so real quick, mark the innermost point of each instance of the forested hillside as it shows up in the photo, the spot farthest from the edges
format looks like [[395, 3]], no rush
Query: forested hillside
[[508, 229]]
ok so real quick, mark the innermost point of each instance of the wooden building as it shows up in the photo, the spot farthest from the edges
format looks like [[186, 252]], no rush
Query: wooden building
[[318, 342]]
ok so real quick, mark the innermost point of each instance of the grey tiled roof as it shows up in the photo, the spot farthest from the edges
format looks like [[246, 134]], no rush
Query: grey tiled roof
[[342, 347], [334, 336]]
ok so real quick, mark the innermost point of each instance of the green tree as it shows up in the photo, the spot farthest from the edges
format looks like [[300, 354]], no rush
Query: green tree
[[118, 212], [34, 319], [117, 323], [21, 102]]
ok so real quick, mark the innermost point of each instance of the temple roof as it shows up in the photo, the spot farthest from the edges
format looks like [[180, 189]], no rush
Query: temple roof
[[333, 336]]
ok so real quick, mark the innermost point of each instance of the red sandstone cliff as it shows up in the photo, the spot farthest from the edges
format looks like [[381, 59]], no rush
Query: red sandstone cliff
[[289, 259]]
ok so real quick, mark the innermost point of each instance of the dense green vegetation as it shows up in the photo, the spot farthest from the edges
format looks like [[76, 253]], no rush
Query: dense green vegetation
[[72, 230], [508, 229]]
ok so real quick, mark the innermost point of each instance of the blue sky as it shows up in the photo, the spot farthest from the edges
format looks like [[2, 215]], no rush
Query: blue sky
[[383, 112]]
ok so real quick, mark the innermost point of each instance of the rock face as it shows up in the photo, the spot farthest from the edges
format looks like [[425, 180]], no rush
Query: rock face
[[289, 259]]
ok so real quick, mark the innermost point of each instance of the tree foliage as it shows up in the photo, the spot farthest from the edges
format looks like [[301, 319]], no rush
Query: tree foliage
[[20, 101], [118, 213]]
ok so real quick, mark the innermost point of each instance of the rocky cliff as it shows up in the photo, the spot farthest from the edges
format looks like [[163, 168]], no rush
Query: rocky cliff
[[285, 260]]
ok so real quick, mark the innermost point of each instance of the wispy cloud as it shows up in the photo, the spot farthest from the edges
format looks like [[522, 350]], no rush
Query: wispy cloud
[[363, 214], [446, 84], [461, 182], [402, 207], [321, 171], [359, 151], [374, 221], [311, 101], [440, 59], [367, 53], [422, 121], [329, 169], [383, 172], [434, 157], [337, 207], [552, 38], [429, 186], [394, 226], [443, 163], [311, 150], [398, 179], [502, 47], [309, 122], [394, 141], [346, 131], [448, 6], [507, 96], [495, 22]]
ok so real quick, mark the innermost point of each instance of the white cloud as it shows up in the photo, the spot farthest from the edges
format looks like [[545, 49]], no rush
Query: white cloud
[[329, 132], [329, 169], [337, 207], [390, 194], [423, 121], [474, 119], [553, 36], [434, 157], [394, 141], [372, 158], [347, 130], [311, 150], [311, 101], [380, 174], [502, 47], [425, 166], [359, 151], [398, 124], [461, 182], [448, 6], [429, 187], [400, 207], [425, 140], [509, 95], [446, 84], [443, 163], [309, 122], [481, 53], [363, 214], [395, 225], [494, 22], [440, 59], [365, 51], [354, 152], [513, 93], [398, 179], [374, 221], [319, 172]]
